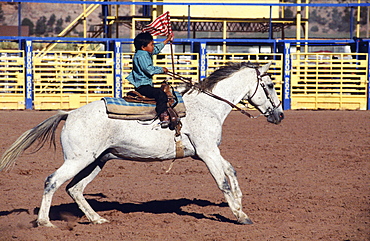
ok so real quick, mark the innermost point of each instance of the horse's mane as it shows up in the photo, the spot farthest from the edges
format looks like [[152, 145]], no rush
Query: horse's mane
[[222, 73]]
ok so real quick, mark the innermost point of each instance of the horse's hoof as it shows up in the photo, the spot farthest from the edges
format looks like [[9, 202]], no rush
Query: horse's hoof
[[45, 224], [100, 221], [245, 221]]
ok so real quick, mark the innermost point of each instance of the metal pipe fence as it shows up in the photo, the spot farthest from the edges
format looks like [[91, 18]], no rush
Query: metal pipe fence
[[70, 79]]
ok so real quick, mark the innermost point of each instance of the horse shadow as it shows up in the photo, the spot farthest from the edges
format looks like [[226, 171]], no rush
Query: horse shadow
[[17, 210], [57, 212]]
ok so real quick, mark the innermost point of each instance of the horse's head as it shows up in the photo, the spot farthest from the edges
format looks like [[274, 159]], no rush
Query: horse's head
[[264, 97]]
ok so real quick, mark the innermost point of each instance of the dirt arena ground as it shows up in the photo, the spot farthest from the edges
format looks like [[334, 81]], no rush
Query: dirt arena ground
[[305, 179]]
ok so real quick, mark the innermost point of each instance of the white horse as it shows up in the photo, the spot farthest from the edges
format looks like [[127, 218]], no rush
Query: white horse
[[89, 138]]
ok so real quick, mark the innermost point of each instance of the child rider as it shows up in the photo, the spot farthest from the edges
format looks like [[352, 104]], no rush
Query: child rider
[[143, 70]]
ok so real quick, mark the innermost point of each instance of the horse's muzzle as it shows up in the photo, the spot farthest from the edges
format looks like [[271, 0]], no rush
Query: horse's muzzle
[[275, 117]]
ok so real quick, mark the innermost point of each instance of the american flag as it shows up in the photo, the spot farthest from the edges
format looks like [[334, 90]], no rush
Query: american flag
[[160, 26]]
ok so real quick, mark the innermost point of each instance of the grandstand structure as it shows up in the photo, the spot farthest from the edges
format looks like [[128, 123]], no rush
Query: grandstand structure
[[309, 73]]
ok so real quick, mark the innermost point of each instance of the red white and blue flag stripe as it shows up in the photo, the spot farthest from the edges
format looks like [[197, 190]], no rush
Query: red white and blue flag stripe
[[161, 26]]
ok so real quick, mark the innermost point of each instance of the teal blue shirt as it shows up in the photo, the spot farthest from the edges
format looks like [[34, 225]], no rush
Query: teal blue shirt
[[143, 68]]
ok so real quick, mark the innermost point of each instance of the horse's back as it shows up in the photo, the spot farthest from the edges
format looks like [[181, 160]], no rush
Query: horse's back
[[91, 130]]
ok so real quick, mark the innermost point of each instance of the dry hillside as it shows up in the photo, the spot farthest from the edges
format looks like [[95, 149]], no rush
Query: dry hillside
[[50, 19]]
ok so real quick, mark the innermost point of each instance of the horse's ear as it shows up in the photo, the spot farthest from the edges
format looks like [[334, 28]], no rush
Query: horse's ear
[[266, 67]]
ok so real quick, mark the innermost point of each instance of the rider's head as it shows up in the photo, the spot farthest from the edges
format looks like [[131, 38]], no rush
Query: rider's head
[[142, 40]]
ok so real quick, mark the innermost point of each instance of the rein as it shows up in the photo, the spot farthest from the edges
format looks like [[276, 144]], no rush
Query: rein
[[259, 82]]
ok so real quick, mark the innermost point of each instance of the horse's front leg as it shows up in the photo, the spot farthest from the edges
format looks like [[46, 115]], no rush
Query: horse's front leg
[[236, 192], [225, 177], [234, 184]]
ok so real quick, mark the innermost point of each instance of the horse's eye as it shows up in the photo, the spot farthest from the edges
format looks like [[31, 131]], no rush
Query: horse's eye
[[271, 85]]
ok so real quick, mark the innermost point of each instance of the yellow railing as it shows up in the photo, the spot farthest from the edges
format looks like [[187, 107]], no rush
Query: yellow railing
[[12, 79], [329, 81], [126, 69], [276, 69], [185, 65], [67, 80]]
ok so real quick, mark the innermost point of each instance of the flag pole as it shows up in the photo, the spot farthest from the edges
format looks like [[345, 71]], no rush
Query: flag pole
[[173, 61], [162, 26]]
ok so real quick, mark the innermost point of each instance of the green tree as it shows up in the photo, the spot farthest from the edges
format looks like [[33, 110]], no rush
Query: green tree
[[314, 29], [315, 17], [340, 20], [40, 28], [29, 23], [2, 17], [346, 19], [288, 13], [68, 19], [50, 24], [58, 26], [363, 14]]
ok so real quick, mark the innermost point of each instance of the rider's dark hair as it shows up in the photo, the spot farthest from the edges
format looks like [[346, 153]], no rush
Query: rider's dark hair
[[142, 40]]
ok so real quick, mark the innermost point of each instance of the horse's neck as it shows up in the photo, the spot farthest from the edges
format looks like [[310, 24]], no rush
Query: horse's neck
[[233, 89]]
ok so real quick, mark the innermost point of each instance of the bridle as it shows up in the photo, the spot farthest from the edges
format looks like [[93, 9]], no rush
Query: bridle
[[269, 111]]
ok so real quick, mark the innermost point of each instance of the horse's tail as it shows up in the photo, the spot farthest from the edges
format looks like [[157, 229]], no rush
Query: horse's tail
[[43, 132]]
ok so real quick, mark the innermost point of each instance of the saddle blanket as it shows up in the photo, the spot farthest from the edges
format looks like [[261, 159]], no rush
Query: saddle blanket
[[118, 108]]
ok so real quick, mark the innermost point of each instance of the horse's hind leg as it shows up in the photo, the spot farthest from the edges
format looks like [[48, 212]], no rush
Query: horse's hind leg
[[76, 187], [68, 170]]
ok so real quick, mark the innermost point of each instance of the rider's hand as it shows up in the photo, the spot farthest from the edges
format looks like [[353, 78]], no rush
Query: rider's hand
[[169, 38]]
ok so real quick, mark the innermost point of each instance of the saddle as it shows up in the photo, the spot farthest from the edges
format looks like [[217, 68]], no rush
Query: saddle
[[136, 97]]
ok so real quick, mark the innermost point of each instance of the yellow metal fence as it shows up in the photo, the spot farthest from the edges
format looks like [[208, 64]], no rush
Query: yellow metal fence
[[12, 80], [185, 65], [329, 81], [276, 69], [68, 80]]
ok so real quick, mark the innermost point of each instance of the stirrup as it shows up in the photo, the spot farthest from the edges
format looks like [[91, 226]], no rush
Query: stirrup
[[164, 118], [165, 124], [174, 118]]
